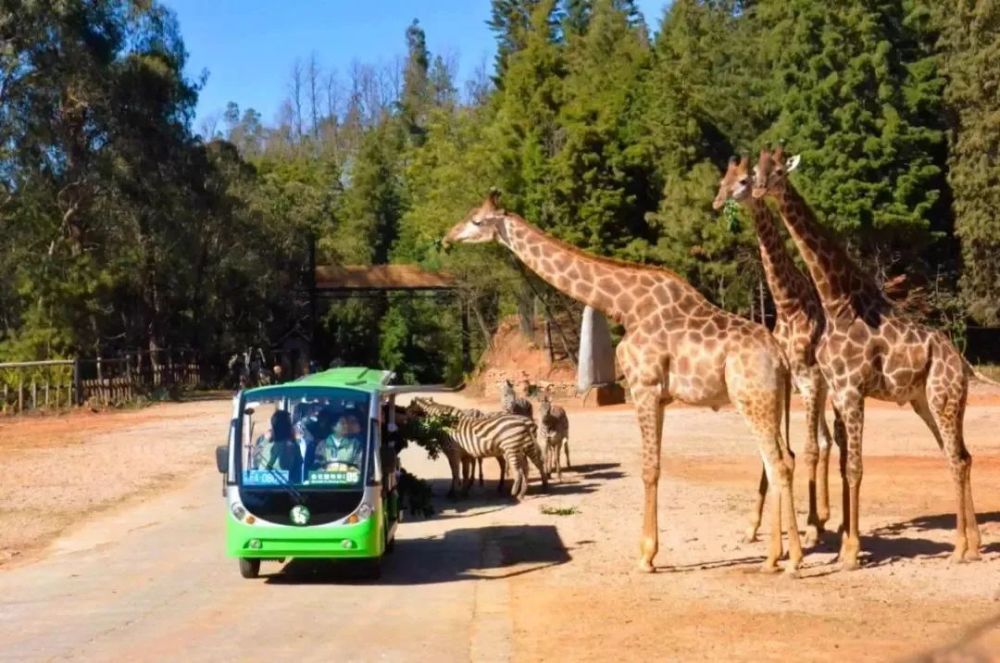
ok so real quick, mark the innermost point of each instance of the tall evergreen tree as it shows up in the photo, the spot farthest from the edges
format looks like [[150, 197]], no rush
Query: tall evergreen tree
[[855, 94], [417, 91], [695, 115], [526, 130], [970, 44], [602, 186], [510, 21], [375, 201]]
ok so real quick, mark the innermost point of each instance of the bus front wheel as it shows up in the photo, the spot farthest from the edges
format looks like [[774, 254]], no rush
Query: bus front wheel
[[372, 568], [249, 568]]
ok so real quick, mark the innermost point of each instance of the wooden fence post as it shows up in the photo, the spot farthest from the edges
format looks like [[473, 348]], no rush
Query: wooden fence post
[[77, 382]]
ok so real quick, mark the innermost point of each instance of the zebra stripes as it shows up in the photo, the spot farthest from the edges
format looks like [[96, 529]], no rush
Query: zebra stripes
[[511, 404], [555, 434], [510, 437], [441, 408]]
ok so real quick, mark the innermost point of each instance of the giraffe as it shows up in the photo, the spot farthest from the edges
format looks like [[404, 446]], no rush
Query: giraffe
[[798, 325], [677, 346], [868, 349]]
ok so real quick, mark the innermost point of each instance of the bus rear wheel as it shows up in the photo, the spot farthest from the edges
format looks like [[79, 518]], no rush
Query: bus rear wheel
[[249, 568]]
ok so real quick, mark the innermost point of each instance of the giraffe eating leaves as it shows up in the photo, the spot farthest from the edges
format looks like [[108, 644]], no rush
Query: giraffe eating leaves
[[868, 349], [677, 346], [798, 325]]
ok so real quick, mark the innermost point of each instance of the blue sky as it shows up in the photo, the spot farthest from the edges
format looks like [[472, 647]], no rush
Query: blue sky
[[248, 46]]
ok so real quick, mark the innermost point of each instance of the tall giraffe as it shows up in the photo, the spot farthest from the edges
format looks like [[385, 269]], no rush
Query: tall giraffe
[[799, 323], [677, 346], [868, 349]]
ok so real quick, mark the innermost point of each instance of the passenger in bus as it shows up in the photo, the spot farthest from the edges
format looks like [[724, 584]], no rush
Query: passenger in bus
[[278, 450], [341, 446], [313, 432], [353, 426]]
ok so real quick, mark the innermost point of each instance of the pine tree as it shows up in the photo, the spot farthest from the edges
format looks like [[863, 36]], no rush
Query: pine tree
[[602, 186], [970, 44], [854, 92], [695, 115], [525, 131], [417, 91], [375, 200], [511, 21]]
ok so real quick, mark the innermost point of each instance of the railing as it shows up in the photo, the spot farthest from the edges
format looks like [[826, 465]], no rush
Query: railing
[[61, 383], [34, 385]]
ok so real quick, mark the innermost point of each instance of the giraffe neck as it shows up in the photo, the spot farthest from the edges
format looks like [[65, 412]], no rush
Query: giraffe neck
[[840, 284], [789, 287], [610, 286]]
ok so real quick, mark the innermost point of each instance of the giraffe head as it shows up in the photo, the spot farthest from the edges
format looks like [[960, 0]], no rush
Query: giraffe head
[[736, 182], [771, 173], [482, 224]]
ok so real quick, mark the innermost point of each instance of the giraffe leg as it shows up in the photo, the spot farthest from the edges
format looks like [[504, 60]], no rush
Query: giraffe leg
[[943, 412], [750, 535], [852, 409], [812, 404], [823, 471], [779, 467], [650, 412], [840, 439]]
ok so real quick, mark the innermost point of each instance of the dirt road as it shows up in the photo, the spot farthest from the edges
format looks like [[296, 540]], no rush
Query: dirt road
[[487, 580]]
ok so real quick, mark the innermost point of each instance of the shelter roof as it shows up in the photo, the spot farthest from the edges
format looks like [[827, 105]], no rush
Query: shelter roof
[[380, 277]]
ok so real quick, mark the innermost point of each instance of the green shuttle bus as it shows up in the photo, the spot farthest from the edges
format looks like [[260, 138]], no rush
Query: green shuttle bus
[[308, 473]]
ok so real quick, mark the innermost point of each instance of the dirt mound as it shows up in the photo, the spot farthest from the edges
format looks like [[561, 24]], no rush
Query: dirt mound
[[525, 361]]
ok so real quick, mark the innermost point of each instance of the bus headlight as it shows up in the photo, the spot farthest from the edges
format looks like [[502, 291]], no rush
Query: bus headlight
[[238, 511], [361, 513]]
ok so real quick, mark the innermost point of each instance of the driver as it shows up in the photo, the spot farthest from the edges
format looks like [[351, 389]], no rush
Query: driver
[[313, 432], [342, 446]]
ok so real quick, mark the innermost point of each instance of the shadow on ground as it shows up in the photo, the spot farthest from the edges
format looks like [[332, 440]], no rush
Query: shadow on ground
[[580, 480], [462, 554]]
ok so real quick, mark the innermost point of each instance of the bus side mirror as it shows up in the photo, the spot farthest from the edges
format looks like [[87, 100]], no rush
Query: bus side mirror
[[222, 459]]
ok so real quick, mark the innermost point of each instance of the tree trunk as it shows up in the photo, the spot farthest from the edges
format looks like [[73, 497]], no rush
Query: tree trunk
[[524, 310]]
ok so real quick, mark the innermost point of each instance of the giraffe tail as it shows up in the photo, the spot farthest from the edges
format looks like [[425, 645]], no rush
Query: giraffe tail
[[788, 408], [971, 371]]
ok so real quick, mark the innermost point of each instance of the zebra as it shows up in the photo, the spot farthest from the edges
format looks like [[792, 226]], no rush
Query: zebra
[[510, 436], [442, 408], [554, 430], [511, 404]]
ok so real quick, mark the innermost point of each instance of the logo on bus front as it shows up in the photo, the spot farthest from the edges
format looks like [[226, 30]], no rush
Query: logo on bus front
[[300, 515]]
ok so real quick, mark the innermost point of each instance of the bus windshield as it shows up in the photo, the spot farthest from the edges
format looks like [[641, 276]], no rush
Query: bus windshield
[[304, 438]]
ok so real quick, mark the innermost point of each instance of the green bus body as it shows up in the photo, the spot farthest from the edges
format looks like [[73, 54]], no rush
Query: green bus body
[[252, 538], [317, 541]]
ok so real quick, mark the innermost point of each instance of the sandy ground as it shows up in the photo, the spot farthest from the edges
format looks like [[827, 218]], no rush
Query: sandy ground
[[146, 578], [58, 469]]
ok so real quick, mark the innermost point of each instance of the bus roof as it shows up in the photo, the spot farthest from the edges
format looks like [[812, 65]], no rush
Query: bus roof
[[351, 377]]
